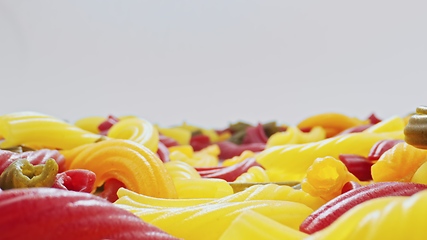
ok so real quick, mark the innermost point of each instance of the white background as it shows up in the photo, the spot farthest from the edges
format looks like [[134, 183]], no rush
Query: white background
[[213, 62]]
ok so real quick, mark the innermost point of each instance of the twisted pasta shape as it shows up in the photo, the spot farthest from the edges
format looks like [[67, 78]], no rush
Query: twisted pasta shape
[[137, 130], [134, 165]]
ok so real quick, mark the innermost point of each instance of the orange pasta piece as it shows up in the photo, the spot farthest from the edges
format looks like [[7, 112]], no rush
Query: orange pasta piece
[[333, 123], [399, 163], [326, 177], [134, 165]]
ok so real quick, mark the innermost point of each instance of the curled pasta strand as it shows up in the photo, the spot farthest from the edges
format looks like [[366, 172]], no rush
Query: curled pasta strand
[[137, 130]]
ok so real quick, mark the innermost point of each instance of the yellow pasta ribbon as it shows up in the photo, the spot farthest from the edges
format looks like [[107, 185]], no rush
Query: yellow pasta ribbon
[[138, 130], [130, 199], [267, 191], [210, 219], [294, 159], [202, 188], [391, 124], [37, 131], [252, 225]]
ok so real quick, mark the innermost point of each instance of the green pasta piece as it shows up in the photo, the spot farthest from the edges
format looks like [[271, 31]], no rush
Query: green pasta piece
[[22, 174]]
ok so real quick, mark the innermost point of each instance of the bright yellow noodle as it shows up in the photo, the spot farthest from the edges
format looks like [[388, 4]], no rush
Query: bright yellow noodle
[[294, 159], [90, 123], [137, 130], [202, 188], [210, 220], [38, 131], [253, 225], [156, 202]]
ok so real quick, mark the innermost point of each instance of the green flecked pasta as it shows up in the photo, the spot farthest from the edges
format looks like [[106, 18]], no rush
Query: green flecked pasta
[[22, 174]]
